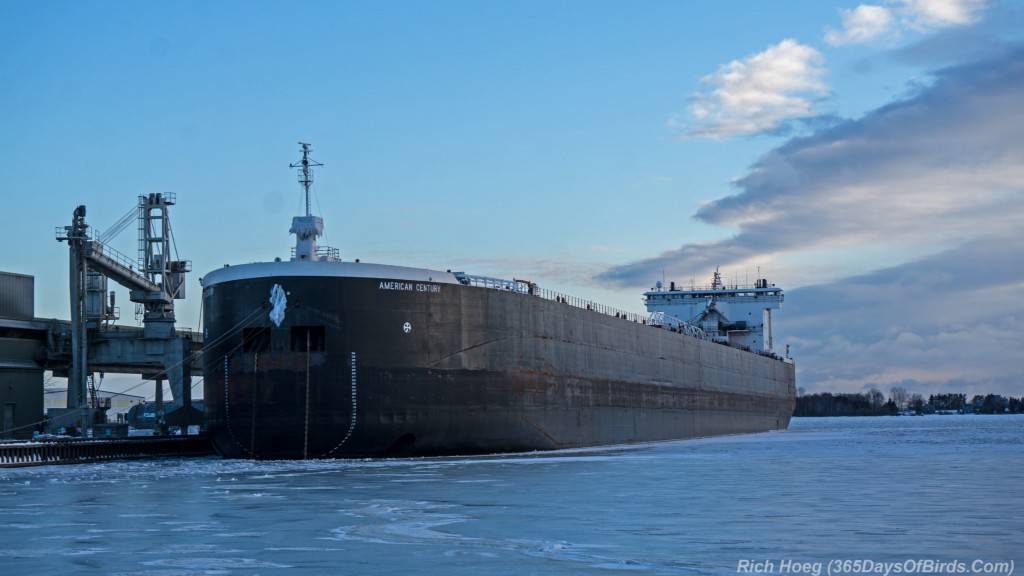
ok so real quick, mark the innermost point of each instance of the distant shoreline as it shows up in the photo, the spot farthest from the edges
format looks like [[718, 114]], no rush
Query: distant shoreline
[[900, 402]]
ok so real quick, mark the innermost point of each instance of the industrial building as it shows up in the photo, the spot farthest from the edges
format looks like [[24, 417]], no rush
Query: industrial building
[[21, 344]]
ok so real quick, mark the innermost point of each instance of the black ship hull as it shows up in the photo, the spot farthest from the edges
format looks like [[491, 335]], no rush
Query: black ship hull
[[367, 365]]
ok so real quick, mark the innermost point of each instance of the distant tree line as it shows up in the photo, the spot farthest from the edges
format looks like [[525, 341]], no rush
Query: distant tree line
[[874, 403], [871, 403]]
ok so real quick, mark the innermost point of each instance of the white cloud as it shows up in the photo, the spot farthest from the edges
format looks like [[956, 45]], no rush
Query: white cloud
[[757, 94], [763, 92], [921, 14], [861, 25], [870, 23]]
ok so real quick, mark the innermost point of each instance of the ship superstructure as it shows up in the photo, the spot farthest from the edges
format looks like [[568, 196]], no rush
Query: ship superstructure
[[740, 316]]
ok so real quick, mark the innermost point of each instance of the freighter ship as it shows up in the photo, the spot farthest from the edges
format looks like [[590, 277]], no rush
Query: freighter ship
[[314, 357]]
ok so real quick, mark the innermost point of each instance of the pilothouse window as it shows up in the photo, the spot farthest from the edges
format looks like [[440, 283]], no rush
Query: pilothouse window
[[311, 338]]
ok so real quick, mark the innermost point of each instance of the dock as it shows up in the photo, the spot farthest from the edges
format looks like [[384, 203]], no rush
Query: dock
[[83, 450]]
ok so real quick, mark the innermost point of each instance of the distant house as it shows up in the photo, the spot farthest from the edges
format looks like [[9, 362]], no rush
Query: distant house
[[990, 404], [994, 404]]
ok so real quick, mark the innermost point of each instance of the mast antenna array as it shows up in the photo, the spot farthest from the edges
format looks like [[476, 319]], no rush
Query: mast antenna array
[[308, 228], [306, 174]]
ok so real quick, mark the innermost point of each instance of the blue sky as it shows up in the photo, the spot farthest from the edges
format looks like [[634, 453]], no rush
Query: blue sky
[[867, 157]]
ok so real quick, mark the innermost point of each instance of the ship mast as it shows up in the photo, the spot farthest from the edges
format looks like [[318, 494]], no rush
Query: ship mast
[[306, 228], [306, 175]]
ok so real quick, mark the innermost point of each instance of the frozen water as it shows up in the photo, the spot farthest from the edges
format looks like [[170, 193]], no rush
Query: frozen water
[[881, 489]]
